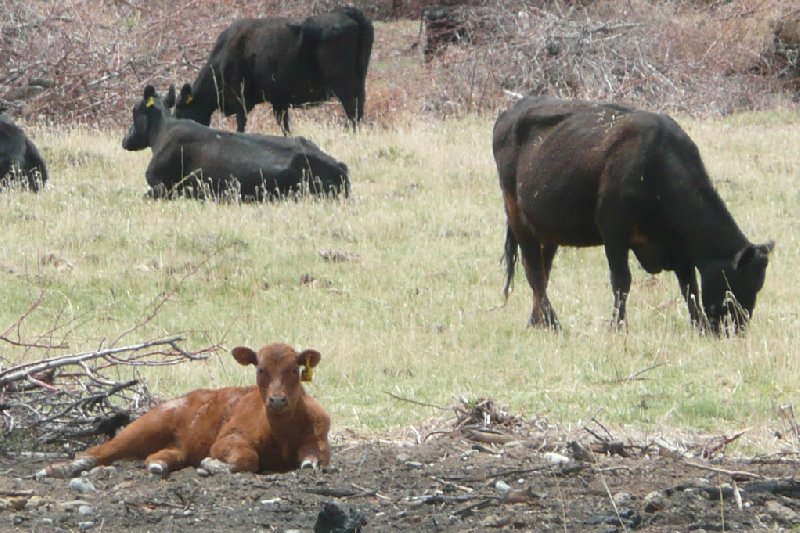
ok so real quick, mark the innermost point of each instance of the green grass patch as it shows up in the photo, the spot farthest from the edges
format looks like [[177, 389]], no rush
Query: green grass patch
[[416, 310]]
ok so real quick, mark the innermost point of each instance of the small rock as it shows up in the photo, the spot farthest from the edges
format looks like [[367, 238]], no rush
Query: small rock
[[581, 453], [34, 502], [501, 486], [85, 510], [83, 526], [271, 502], [412, 464], [654, 502], [72, 504], [82, 485], [402, 458], [621, 498], [781, 512], [46, 521], [202, 472], [555, 458], [14, 503], [102, 472]]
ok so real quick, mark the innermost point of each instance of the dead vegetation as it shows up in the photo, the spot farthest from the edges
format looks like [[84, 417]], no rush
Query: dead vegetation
[[81, 62]]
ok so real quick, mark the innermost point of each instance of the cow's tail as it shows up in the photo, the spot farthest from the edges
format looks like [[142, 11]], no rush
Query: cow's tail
[[366, 36], [510, 258]]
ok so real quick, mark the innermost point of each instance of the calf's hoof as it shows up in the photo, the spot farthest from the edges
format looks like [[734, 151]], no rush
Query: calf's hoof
[[65, 470], [158, 469], [215, 466]]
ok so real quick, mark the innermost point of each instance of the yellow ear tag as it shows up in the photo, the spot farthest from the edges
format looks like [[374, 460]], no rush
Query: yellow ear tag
[[150, 101], [307, 373], [189, 99]]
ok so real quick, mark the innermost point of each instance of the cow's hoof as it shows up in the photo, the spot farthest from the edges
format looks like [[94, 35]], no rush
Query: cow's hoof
[[158, 469], [214, 466], [309, 463]]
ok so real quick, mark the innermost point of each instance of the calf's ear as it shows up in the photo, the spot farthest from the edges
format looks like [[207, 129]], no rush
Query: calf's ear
[[244, 355], [308, 358], [186, 94]]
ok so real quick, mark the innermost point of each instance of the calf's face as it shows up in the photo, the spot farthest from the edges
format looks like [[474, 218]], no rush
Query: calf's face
[[279, 369]]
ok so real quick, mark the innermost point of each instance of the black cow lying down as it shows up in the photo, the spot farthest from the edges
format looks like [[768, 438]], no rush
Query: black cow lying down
[[577, 173], [20, 162], [286, 62], [189, 158]]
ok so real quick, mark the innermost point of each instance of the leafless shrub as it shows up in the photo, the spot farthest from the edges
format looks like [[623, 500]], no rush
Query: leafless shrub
[[87, 62], [663, 56]]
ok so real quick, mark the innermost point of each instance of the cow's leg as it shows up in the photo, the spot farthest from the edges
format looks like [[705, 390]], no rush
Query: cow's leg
[[687, 280], [136, 441], [350, 103], [282, 117], [236, 453], [361, 99], [617, 255], [537, 259], [165, 461]]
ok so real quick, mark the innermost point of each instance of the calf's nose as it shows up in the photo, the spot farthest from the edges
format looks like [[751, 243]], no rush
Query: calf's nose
[[277, 402]]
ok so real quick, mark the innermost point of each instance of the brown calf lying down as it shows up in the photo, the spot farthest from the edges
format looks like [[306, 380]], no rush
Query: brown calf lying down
[[274, 425]]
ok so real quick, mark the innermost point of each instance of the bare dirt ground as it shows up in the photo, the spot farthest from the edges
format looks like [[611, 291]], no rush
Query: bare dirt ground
[[455, 480]]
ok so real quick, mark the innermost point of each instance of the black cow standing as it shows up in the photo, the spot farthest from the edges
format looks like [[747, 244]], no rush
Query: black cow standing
[[192, 159], [284, 62], [576, 173], [20, 161]]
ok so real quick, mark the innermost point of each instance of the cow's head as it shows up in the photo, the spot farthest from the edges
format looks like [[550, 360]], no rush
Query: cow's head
[[730, 288], [191, 106], [279, 370], [146, 113]]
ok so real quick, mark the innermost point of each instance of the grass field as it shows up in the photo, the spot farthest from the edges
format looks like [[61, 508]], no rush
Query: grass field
[[415, 310]]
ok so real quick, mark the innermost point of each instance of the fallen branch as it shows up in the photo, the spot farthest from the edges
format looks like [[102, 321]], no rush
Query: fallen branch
[[67, 399], [740, 474], [24, 370]]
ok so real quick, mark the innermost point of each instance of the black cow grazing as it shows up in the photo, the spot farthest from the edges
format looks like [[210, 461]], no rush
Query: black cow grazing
[[20, 162], [577, 173], [189, 158], [284, 62]]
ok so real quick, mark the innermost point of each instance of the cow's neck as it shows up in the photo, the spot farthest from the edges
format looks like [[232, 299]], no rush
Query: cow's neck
[[157, 124], [706, 225], [205, 89]]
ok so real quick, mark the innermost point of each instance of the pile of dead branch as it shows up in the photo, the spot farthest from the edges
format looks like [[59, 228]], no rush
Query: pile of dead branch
[[711, 59], [72, 399]]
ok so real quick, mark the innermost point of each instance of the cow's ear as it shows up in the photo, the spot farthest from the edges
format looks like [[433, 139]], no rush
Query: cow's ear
[[308, 358], [169, 101], [244, 355], [752, 255], [186, 94]]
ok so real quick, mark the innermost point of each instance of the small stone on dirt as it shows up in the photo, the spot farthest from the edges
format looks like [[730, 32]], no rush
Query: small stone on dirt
[[655, 502]]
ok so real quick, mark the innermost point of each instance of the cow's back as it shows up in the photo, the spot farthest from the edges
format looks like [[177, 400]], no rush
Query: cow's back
[[276, 163]]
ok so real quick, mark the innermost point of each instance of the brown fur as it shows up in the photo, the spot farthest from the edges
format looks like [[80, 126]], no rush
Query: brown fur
[[274, 425]]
